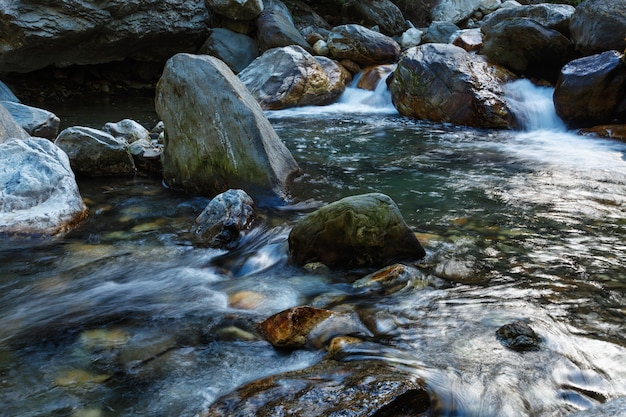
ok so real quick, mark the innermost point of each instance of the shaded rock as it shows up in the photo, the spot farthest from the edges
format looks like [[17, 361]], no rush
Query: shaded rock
[[216, 134], [592, 90], [127, 129], [321, 48], [330, 388], [6, 94], [470, 40], [40, 33], [382, 13], [275, 28], [551, 16], [527, 48], [518, 336], [36, 122], [38, 191], [237, 9], [362, 45], [444, 83], [440, 32], [389, 279], [9, 128], [235, 49], [338, 76], [606, 131], [147, 157], [372, 76], [599, 25], [288, 77], [362, 230], [224, 219], [95, 153]]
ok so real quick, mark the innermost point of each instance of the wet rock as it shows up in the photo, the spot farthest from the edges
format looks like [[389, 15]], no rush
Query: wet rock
[[224, 219], [235, 49], [606, 131], [362, 45], [9, 128], [338, 344], [372, 76], [338, 76], [527, 47], [246, 300], [518, 336], [220, 138], [330, 388], [147, 157], [611, 408], [40, 33], [444, 83], [128, 130], [237, 9], [38, 192], [36, 122], [321, 48], [275, 28], [362, 230], [389, 279], [454, 11], [93, 152], [598, 26], [440, 32], [470, 40], [289, 77], [382, 13], [552, 16], [592, 90]]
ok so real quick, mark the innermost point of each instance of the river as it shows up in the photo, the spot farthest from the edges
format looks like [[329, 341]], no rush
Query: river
[[125, 316]]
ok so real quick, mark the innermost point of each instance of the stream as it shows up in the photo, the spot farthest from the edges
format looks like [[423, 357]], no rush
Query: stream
[[125, 316]]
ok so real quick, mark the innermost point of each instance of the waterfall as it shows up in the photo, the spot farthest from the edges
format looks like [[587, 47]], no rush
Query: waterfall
[[533, 106]]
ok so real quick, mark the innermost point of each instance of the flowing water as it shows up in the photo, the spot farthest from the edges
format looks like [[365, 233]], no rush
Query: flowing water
[[126, 317]]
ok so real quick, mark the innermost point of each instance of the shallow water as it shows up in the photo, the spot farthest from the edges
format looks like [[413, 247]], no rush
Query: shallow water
[[126, 317]]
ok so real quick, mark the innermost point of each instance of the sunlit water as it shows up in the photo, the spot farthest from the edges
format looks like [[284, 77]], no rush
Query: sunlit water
[[126, 317]]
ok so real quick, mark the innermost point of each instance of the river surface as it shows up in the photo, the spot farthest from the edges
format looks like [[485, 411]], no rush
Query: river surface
[[125, 316]]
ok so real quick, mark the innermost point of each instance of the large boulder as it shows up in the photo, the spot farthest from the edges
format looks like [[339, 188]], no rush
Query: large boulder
[[599, 25], [592, 90], [35, 121], [237, 9], [275, 28], [9, 128], [551, 16], [93, 152], [38, 33], [38, 192], [454, 11], [235, 49], [288, 77], [527, 48], [362, 45], [329, 388], [216, 134], [382, 13], [362, 230], [444, 83]]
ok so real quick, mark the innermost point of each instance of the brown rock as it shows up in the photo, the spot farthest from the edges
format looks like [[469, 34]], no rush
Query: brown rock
[[290, 328], [373, 75]]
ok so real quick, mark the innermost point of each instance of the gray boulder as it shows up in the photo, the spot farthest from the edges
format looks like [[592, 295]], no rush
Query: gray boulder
[[440, 31], [362, 230], [382, 13], [454, 11], [362, 45], [237, 9], [38, 192], [235, 49], [216, 134], [224, 219], [288, 77], [275, 28], [592, 90], [445, 83], [9, 128], [39, 33], [93, 152], [36, 122], [128, 130], [551, 16], [599, 26]]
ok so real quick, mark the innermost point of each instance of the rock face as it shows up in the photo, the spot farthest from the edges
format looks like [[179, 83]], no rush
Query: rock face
[[444, 83], [216, 134], [40, 33], [330, 388], [362, 45], [519, 336], [95, 153], [9, 128], [527, 47], [235, 49], [221, 223], [382, 13], [362, 230], [38, 192], [36, 122], [288, 77], [275, 28], [599, 25], [551, 16], [592, 90], [237, 9]]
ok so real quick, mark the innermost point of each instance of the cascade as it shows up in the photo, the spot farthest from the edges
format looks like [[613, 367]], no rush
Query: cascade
[[533, 106]]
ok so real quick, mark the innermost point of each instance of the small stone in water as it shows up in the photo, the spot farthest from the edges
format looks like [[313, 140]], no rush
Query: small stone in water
[[518, 336]]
